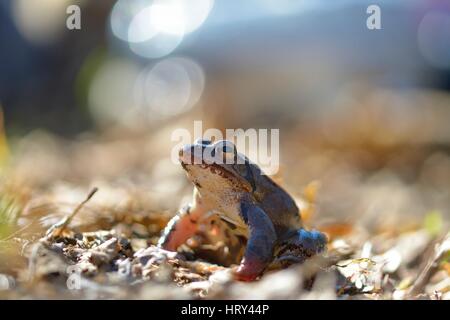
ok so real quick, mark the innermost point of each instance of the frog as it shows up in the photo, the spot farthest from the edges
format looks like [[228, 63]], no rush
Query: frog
[[253, 206]]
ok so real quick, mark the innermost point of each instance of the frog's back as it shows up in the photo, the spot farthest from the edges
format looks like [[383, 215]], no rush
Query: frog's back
[[278, 205]]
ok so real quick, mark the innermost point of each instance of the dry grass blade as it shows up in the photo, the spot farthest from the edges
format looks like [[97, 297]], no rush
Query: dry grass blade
[[17, 232], [58, 228]]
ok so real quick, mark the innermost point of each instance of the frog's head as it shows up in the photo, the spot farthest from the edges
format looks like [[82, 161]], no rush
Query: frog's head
[[218, 167], [300, 246]]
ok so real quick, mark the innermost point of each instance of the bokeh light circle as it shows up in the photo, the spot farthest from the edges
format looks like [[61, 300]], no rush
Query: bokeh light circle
[[123, 13], [155, 28], [433, 38], [35, 26], [179, 16], [111, 91], [141, 28], [158, 46], [170, 87]]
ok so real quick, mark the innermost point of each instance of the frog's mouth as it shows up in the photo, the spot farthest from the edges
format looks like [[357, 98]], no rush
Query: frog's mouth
[[220, 171], [188, 160]]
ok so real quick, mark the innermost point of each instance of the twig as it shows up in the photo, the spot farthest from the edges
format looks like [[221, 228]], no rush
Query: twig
[[58, 228], [441, 249]]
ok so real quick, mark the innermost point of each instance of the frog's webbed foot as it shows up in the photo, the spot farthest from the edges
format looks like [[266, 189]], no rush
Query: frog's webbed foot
[[260, 245], [179, 229], [300, 246]]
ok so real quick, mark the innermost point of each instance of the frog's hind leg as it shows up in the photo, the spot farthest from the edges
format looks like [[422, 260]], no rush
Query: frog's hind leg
[[260, 245], [180, 228]]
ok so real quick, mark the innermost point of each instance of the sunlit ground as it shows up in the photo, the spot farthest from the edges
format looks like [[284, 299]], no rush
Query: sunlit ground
[[364, 147]]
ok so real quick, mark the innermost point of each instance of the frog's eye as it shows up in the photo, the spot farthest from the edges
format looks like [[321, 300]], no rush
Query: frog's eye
[[203, 141], [225, 146], [227, 149]]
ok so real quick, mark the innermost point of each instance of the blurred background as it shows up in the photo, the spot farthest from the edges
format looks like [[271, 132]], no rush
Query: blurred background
[[363, 114]]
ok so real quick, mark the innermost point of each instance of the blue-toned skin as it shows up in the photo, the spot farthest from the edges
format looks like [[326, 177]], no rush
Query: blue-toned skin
[[256, 207]]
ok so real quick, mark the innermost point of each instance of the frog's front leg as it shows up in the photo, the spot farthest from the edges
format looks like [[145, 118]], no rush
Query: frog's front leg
[[184, 224], [181, 227], [260, 245]]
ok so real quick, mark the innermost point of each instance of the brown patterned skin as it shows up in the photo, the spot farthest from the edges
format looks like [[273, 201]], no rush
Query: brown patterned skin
[[226, 183]]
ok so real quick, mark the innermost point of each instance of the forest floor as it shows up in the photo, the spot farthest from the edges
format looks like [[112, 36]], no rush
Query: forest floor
[[77, 222]]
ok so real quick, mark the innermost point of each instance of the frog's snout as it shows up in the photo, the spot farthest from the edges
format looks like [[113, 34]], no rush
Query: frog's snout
[[187, 154], [182, 156]]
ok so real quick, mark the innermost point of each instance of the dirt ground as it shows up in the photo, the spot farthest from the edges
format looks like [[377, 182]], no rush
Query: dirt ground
[[81, 217]]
